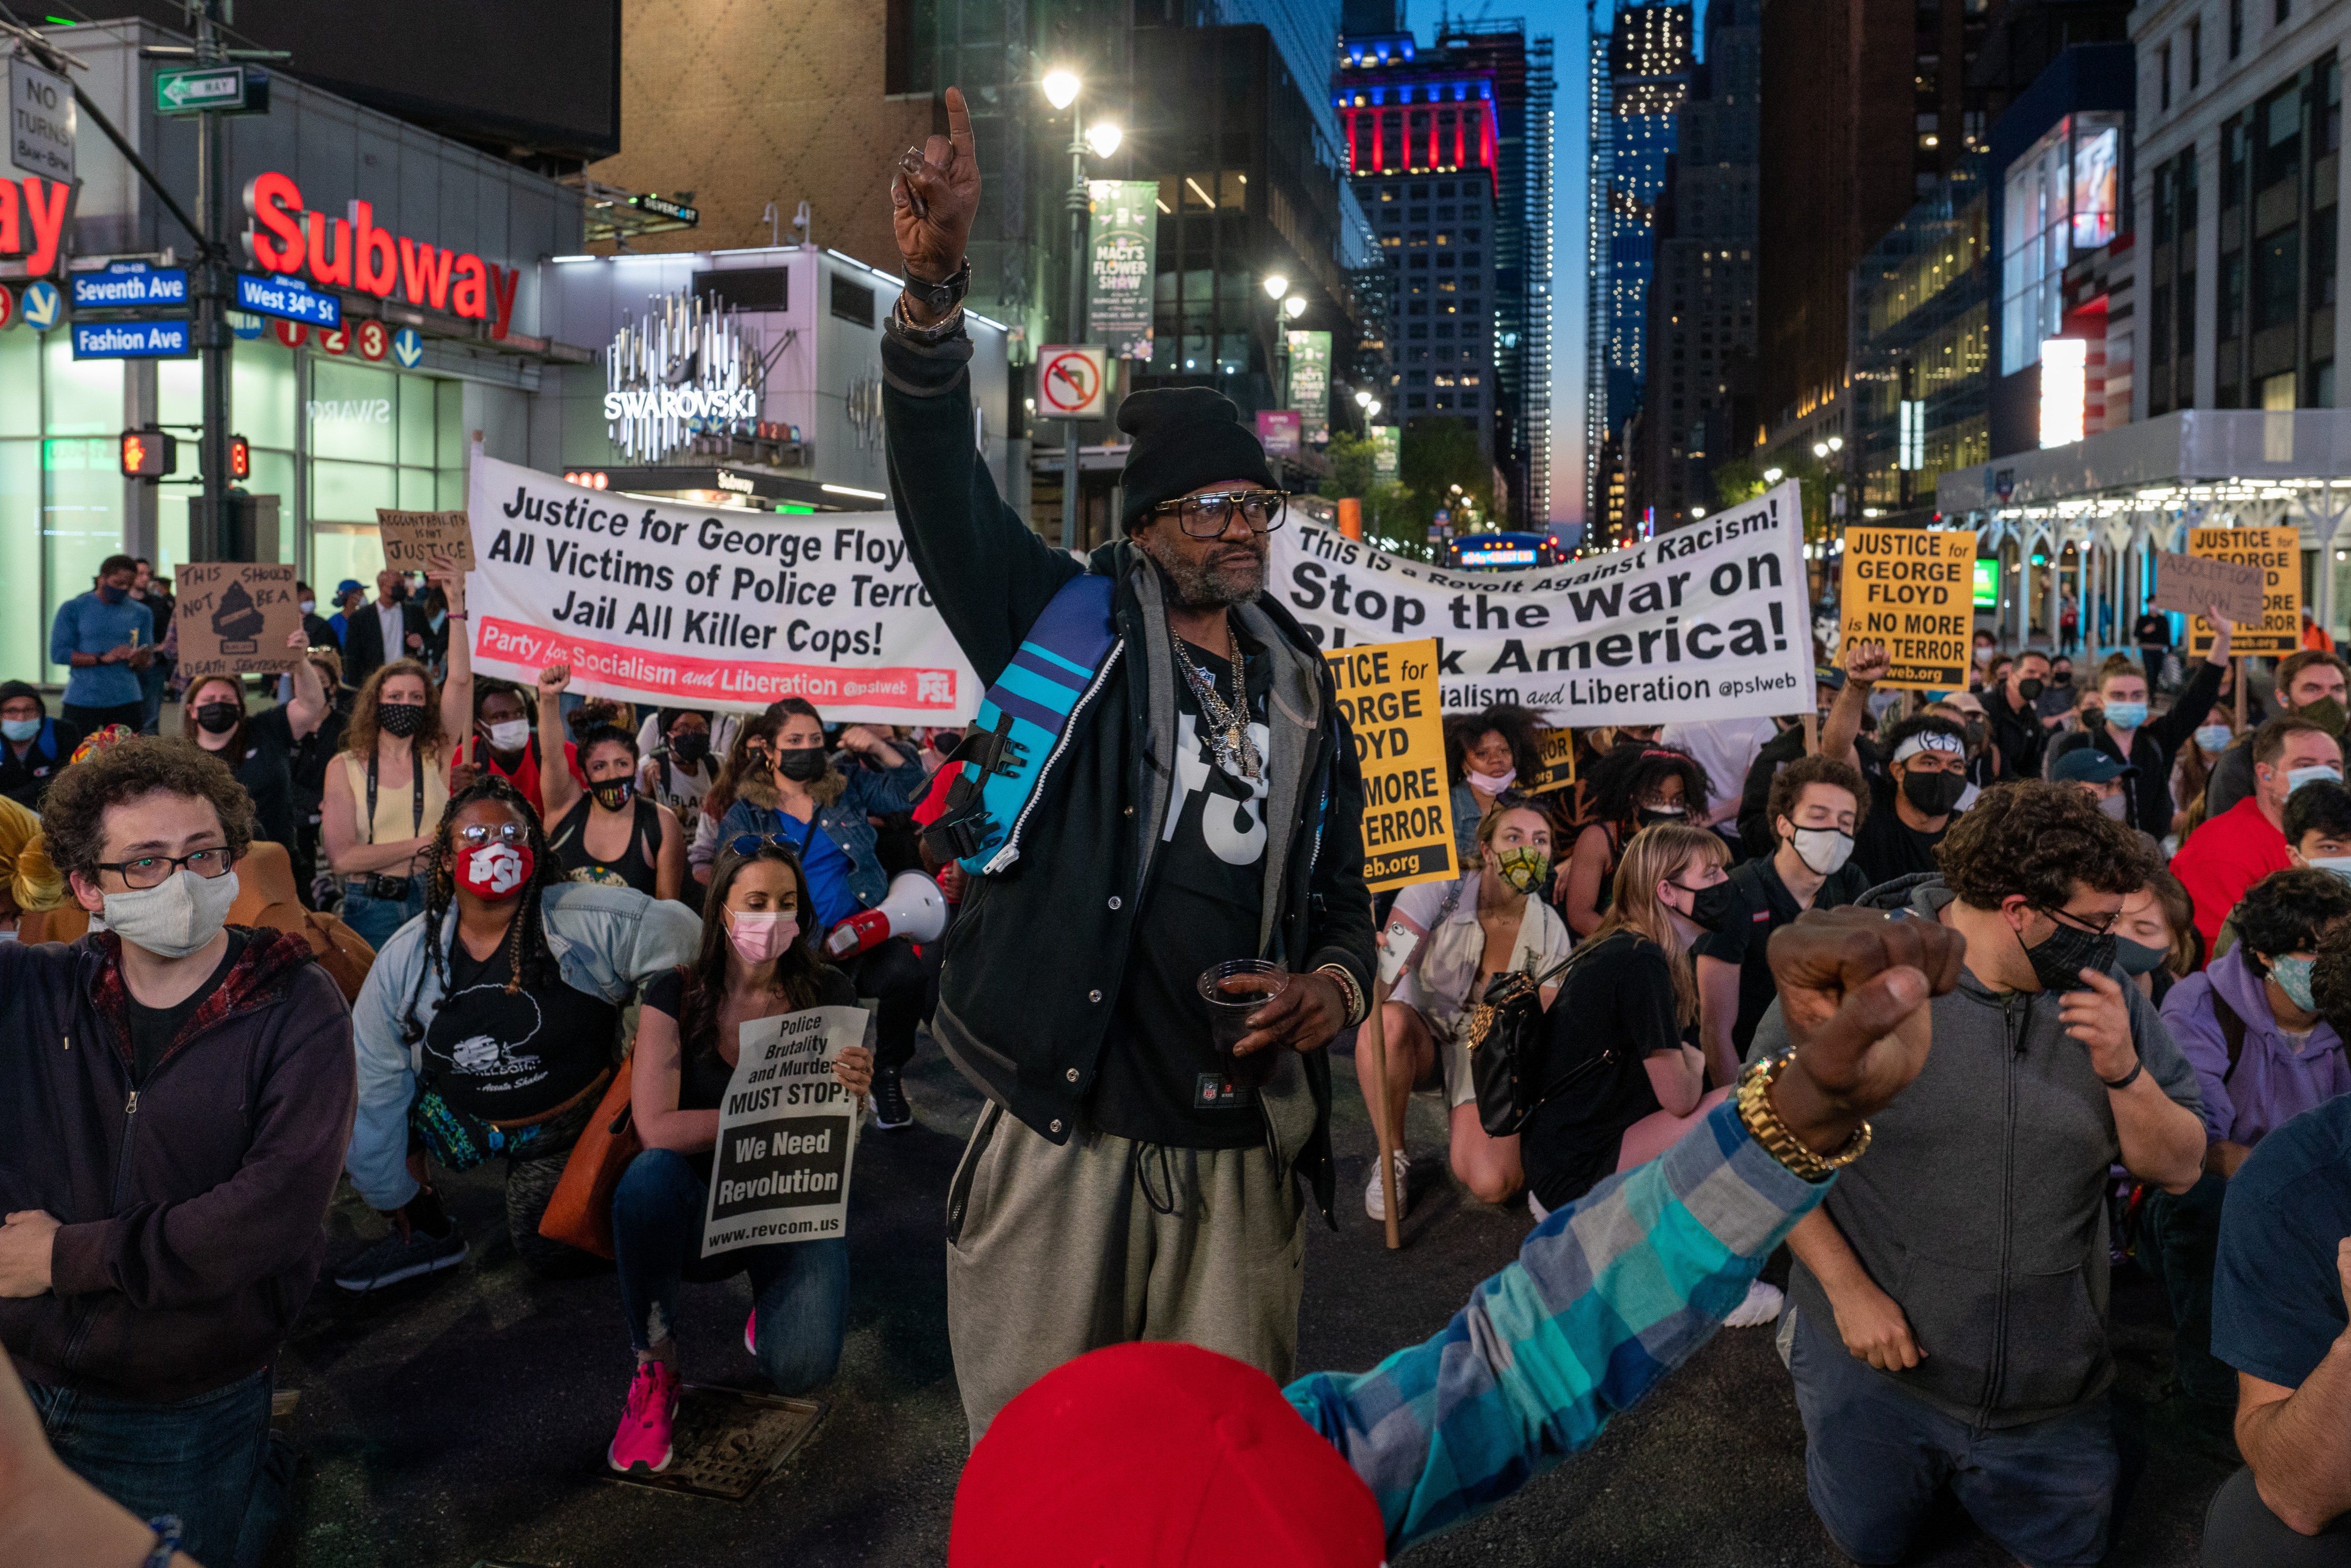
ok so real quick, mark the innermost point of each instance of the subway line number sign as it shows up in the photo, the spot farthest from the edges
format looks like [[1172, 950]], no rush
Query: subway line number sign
[[1388, 693]]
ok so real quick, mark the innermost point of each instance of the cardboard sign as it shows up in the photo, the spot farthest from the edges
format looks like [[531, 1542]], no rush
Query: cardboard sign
[[2188, 583], [1388, 693], [787, 1131], [234, 616], [411, 538], [1558, 749], [2278, 553], [1914, 590]]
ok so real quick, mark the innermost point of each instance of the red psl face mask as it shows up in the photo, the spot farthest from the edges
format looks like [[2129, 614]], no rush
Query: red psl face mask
[[494, 872]]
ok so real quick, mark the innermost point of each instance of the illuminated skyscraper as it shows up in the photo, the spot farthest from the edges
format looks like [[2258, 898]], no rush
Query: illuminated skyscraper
[[1649, 60]]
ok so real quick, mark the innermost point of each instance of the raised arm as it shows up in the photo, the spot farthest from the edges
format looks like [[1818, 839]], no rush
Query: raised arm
[[308, 711], [558, 791], [457, 680], [1865, 666]]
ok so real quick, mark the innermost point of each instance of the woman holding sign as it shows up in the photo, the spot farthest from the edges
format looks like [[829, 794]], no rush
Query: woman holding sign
[[757, 961], [259, 749]]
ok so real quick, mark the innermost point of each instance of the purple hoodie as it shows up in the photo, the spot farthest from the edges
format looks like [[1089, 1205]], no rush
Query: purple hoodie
[[2271, 1084]]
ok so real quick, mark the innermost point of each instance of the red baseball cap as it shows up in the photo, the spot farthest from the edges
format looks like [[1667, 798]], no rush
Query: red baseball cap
[[1159, 1456]]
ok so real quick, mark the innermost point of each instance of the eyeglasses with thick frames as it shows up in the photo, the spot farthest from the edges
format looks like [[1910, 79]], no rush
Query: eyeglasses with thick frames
[[2082, 921], [482, 833], [154, 871], [1209, 515]]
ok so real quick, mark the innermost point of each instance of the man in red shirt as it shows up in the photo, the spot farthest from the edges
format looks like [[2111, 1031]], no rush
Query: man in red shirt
[[2231, 851]]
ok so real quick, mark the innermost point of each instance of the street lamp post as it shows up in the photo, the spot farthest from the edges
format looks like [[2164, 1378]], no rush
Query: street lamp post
[[1061, 88]]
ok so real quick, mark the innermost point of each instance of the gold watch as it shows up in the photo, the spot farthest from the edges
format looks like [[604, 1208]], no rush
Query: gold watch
[[1763, 1123]]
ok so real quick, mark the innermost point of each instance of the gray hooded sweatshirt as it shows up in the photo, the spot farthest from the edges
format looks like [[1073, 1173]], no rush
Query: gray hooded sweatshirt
[[1980, 1205]]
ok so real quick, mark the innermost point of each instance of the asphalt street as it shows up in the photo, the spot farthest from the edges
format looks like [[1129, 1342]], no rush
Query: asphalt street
[[463, 1419]]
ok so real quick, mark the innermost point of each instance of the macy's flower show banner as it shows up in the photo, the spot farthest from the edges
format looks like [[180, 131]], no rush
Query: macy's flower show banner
[[1708, 622], [657, 602]]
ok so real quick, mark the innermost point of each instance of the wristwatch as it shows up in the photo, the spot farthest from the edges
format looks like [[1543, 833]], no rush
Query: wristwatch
[[1763, 1123], [945, 294]]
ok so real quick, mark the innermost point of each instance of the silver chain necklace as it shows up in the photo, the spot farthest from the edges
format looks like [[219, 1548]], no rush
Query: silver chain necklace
[[1228, 735]]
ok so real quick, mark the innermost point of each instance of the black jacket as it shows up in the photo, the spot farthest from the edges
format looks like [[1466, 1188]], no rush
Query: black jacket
[[2153, 748], [363, 650], [1033, 963], [25, 778], [2019, 736]]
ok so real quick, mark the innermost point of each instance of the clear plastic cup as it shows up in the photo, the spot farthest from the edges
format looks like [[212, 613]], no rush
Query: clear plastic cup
[[1233, 990]]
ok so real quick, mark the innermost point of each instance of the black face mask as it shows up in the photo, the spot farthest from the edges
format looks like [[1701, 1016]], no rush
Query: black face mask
[[402, 719], [219, 718], [2138, 957], [2061, 677], [801, 764], [1975, 729], [2059, 958], [1710, 906], [1934, 793], [690, 746], [612, 793], [1650, 815], [2029, 688]]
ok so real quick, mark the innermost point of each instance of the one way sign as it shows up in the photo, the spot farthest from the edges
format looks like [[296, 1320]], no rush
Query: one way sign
[[408, 348]]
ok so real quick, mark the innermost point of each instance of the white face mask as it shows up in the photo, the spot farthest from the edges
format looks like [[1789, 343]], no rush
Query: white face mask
[[1823, 851], [2116, 806], [511, 735], [2339, 864], [175, 917]]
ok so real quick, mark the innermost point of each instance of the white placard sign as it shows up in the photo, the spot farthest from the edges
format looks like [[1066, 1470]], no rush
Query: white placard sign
[[787, 1131], [1710, 620], [658, 601]]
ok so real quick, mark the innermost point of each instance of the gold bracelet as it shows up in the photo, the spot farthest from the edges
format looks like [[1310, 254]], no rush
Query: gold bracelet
[[1763, 1125]]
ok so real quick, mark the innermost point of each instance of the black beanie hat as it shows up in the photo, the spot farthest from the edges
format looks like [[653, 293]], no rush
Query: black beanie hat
[[1184, 437]]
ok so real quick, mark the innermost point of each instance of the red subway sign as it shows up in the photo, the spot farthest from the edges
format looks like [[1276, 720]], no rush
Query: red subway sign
[[352, 252]]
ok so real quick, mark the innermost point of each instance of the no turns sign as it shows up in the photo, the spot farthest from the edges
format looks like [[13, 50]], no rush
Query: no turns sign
[[1071, 383]]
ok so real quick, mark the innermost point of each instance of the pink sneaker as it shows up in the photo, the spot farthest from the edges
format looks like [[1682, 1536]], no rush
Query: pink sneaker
[[751, 1333], [645, 1423]]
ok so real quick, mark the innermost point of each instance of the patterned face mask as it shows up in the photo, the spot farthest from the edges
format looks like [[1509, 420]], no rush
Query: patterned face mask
[[1522, 867], [2292, 972]]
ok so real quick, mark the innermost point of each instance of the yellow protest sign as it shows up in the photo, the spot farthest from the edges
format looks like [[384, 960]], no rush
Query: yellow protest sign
[[1913, 591], [1557, 747], [2278, 552], [1388, 693]]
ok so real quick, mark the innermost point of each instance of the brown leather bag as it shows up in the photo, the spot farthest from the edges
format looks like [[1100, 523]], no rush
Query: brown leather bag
[[580, 1213]]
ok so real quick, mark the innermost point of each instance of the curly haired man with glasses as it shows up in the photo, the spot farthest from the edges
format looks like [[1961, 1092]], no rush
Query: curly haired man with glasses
[[1201, 804], [175, 1095]]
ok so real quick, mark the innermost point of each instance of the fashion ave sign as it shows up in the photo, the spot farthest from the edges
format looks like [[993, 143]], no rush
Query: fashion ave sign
[[652, 602], [1708, 622]]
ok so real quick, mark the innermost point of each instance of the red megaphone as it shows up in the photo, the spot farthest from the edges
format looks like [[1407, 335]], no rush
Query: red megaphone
[[912, 908]]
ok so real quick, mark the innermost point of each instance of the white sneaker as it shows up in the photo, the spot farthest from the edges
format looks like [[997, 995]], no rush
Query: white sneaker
[[1762, 1306], [1376, 1198]]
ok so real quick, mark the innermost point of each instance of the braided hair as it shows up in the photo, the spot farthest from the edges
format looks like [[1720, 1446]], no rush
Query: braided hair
[[529, 960]]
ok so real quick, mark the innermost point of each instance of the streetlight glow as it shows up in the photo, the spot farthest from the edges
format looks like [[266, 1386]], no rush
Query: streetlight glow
[[1363, 400], [1060, 89], [1820, 449], [1836, 443], [1276, 286], [1105, 139], [1771, 475], [1371, 409], [1294, 306]]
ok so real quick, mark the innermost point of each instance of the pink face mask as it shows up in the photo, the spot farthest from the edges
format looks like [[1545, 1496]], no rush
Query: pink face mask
[[759, 937]]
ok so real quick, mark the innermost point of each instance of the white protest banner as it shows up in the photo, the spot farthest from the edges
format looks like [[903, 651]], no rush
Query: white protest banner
[[786, 1131], [661, 602], [1708, 622]]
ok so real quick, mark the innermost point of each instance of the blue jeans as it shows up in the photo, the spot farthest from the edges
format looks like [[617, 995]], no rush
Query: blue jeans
[[375, 919], [198, 1457], [1875, 1456], [152, 682], [801, 1289]]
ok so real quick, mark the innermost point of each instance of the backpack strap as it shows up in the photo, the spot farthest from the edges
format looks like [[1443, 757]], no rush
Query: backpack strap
[[2232, 1030], [1025, 723]]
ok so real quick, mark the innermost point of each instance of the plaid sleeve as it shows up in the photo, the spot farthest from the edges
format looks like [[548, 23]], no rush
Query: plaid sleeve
[[1608, 1295]]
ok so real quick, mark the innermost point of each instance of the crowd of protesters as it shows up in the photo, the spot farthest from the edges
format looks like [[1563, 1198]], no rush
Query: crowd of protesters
[[1961, 1003]]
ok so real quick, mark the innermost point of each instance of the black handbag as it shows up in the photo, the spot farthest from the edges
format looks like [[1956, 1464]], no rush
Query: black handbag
[[1504, 1036]]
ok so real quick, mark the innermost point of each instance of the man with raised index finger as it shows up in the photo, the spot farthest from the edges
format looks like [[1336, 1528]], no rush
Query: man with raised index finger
[[1946, 1318], [1168, 784]]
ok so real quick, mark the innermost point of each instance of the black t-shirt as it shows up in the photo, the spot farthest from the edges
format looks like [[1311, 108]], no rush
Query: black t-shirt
[[703, 1075], [266, 768], [153, 1029], [2152, 630], [1161, 1080], [1884, 846], [1619, 1000], [24, 776], [505, 1056], [1762, 905]]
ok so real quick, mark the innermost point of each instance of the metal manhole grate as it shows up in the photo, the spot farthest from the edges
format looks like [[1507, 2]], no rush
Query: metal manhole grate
[[727, 1442]]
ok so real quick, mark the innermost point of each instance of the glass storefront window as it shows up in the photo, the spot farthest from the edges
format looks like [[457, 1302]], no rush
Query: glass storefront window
[[351, 414], [2061, 198], [22, 637], [20, 372], [82, 516], [350, 492]]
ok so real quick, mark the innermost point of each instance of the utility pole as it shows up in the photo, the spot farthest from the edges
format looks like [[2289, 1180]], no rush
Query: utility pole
[[208, 532], [1080, 204]]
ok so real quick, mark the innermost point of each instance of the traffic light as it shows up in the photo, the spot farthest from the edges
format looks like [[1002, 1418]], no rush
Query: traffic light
[[148, 455], [240, 458]]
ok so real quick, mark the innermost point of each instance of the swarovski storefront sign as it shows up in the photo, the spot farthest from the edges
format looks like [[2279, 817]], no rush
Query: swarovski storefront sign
[[683, 367]]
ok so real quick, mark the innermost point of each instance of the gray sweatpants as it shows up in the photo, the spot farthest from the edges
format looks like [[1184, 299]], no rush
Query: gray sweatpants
[[1104, 1240]]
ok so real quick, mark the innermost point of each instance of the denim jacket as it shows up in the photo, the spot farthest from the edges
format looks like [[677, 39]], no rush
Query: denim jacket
[[860, 793], [607, 942]]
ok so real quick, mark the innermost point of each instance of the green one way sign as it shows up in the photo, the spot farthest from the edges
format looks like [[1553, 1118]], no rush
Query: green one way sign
[[190, 92]]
